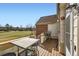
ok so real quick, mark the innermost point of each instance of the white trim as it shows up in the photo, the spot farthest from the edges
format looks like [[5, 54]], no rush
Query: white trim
[[72, 33]]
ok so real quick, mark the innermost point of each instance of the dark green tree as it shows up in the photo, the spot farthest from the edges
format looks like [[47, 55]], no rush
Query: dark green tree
[[7, 27]]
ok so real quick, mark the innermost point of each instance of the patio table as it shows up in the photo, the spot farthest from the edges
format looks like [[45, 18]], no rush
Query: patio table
[[24, 42]]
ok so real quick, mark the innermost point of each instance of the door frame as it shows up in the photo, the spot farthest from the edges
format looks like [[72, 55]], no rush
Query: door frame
[[71, 33]]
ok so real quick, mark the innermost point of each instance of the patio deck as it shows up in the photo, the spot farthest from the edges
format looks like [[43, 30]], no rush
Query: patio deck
[[49, 48]]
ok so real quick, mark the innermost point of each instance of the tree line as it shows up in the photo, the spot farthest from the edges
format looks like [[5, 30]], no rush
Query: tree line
[[8, 27]]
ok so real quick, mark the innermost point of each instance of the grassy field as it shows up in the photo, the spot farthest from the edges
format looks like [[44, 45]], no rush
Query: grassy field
[[6, 36]]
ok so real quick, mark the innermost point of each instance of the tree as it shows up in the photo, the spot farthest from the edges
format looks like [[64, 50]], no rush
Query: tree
[[1, 27], [7, 26], [62, 10]]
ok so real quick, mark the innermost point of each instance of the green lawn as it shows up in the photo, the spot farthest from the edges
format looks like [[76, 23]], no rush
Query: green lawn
[[6, 36]]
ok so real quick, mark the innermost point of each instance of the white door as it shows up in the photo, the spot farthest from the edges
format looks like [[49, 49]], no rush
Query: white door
[[69, 42], [53, 28]]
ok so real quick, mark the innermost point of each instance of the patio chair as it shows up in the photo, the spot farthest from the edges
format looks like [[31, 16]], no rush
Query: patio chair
[[32, 51], [47, 35]]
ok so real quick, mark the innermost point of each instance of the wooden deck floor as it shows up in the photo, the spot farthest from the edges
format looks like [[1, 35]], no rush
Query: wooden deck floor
[[49, 48]]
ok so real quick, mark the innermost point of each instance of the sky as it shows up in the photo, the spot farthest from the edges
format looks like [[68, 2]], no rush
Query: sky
[[24, 13]]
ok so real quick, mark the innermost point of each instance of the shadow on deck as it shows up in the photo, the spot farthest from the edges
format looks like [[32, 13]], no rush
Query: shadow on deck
[[49, 48]]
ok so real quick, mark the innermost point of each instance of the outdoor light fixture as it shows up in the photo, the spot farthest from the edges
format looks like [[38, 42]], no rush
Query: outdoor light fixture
[[57, 20]]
